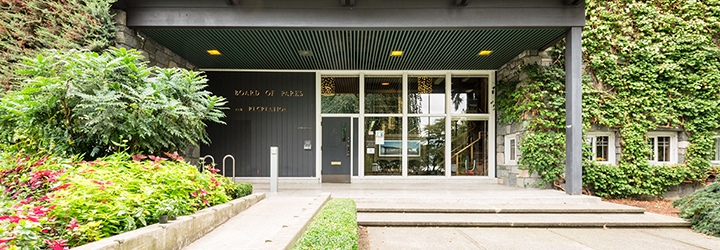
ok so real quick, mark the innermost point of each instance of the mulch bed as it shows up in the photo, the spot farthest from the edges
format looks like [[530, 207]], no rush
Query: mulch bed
[[663, 207]]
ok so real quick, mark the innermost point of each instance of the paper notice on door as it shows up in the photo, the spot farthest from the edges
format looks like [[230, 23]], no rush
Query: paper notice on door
[[380, 137], [371, 151]]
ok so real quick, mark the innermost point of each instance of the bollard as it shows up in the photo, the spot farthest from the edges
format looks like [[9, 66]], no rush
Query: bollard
[[273, 169]]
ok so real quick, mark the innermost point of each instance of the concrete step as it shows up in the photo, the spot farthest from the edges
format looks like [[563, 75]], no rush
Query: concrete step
[[546, 220], [410, 207], [487, 200]]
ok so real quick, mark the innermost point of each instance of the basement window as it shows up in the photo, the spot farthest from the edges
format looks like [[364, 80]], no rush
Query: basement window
[[511, 152]]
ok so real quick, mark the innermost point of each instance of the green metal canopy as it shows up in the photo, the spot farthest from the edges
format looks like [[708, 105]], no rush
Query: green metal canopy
[[314, 49]]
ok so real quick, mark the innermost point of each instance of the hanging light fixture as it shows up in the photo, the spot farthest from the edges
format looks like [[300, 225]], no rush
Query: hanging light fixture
[[327, 86], [425, 85]]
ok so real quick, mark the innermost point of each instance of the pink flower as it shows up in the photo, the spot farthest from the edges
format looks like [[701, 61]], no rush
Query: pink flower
[[214, 170], [138, 157], [57, 244], [174, 156], [60, 187], [157, 158], [73, 224], [3, 240]]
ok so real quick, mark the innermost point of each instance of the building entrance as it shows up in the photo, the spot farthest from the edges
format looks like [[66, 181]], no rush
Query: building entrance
[[337, 148]]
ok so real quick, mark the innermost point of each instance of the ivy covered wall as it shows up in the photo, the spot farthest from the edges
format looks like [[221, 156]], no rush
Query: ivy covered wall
[[28, 26], [649, 65]]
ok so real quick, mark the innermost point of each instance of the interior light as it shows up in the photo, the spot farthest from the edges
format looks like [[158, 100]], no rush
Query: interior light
[[396, 53], [213, 52], [485, 52], [385, 84], [306, 53]]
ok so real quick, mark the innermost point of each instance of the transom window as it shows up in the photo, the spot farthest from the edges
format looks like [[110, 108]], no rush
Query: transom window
[[663, 146], [603, 146]]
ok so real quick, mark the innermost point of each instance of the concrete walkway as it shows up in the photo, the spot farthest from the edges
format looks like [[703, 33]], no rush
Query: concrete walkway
[[277, 221], [273, 223], [536, 238]]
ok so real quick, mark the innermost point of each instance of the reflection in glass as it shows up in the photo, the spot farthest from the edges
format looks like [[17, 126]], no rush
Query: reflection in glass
[[339, 95], [383, 95], [426, 145], [383, 146], [469, 95], [469, 155], [426, 95]]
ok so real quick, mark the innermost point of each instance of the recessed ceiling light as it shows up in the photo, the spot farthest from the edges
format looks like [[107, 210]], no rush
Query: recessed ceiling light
[[485, 52], [213, 52], [396, 53], [385, 84], [305, 53]]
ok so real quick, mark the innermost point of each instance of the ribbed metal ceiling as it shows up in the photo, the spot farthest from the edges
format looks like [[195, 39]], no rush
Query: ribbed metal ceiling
[[351, 49]]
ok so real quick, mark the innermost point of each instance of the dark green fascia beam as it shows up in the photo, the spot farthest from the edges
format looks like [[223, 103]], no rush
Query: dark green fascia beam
[[541, 14]]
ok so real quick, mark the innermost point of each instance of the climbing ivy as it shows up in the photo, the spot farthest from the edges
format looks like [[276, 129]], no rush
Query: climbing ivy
[[651, 64], [29, 26]]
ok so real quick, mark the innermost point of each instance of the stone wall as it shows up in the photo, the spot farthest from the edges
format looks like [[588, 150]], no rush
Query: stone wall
[[155, 55], [510, 174]]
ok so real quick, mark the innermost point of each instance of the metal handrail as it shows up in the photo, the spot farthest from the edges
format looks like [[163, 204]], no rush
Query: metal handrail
[[202, 161], [233, 166]]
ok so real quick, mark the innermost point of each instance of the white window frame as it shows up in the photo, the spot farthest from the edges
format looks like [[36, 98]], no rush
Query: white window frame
[[508, 150], [591, 138], [673, 147], [716, 153]]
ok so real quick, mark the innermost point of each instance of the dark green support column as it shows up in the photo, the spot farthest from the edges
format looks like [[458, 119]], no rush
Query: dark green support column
[[573, 105]]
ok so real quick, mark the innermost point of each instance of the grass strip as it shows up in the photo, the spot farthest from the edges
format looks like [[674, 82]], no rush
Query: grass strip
[[335, 227]]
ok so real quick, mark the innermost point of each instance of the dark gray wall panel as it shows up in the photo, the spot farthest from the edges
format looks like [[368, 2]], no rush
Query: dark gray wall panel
[[286, 122]]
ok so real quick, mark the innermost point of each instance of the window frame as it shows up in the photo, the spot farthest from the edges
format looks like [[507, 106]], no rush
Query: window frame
[[508, 150], [716, 153], [673, 146], [592, 137]]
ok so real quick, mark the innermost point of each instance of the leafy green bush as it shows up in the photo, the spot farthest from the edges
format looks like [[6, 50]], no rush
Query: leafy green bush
[[55, 202], [335, 227], [702, 209], [96, 104], [240, 190], [28, 26]]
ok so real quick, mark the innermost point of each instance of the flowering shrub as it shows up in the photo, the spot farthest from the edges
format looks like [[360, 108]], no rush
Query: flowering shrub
[[57, 203]]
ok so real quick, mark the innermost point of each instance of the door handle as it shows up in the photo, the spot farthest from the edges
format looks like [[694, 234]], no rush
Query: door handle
[[348, 150]]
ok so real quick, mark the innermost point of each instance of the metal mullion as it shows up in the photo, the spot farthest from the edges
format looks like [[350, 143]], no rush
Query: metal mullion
[[361, 127], [448, 118], [404, 125]]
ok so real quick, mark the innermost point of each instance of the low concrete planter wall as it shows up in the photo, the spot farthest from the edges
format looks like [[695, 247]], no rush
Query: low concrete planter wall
[[177, 233]]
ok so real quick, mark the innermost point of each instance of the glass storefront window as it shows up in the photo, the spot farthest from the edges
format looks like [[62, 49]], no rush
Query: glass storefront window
[[469, 95], [339, 95], [383, 95], [426, 145], [469, 155], [426, 94], [383, 145]]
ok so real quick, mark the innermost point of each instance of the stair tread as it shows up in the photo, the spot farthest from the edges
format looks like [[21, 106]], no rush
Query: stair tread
[[596, 207], [519, 219]]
